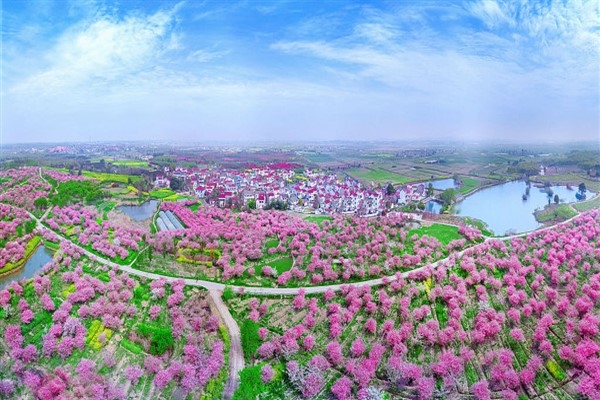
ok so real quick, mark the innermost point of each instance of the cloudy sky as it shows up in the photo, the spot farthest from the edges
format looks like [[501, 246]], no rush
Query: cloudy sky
[[300, 70]]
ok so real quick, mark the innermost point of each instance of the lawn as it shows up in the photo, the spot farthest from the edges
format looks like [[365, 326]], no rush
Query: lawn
[[282, 264], [377, 175], [554, 212], [443, 233], [587, 205], [318, 219]]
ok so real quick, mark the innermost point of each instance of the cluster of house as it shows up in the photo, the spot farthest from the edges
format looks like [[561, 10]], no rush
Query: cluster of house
[[311, 191]]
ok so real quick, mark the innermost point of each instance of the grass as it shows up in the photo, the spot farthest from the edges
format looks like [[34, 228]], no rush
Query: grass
[[443, 233], [587, 205], [162, 193], [131, 163], [318, 219], [282, 264], [468, 184], [105, 177], [555, 212], [377, 175], [272, 243], [320, 157]]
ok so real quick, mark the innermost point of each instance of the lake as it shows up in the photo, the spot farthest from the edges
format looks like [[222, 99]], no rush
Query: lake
[[503, 209], [41, 257], [141, 212]]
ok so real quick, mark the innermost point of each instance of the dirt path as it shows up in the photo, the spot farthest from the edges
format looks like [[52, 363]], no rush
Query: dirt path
[[236, 355]]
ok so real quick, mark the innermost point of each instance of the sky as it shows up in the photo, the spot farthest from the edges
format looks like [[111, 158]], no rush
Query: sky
[[225, 70]]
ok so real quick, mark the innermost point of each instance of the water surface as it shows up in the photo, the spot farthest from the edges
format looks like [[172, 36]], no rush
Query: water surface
[[141, 212], [41, 257], [503, 209], [442, 184]]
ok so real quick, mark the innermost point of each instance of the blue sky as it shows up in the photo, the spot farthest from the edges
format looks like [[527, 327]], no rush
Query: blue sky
[[300, 70]]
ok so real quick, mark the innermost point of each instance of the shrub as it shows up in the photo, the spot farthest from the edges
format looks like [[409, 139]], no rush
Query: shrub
[[250, 338], [228, 293], [161, 338], [251, 384]]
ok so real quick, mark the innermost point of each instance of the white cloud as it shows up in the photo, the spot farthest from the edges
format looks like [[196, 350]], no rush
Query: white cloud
[[102, 50], [490, 12], [204, 55]]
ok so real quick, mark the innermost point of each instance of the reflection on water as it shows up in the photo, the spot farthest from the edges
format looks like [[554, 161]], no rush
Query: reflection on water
[[41, 257], [141, 212], [508, 207]]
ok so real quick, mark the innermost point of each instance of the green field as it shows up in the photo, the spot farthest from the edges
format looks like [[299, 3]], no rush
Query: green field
[[443, 233], [105, 177], [468, 184], [139, 164], [320, 158], [378, 176], [162, 193]]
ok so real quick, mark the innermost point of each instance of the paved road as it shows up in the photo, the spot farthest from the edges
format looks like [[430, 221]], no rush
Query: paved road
[[236, 355], [279, 291]]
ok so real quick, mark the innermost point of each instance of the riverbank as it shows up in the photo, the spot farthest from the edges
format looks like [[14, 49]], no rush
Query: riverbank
[[554, 213], [30, 249]]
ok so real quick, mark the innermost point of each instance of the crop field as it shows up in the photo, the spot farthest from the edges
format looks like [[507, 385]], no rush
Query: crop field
[[379, 176], [106, 177], [132, 163], [468, 185], [162, 193]]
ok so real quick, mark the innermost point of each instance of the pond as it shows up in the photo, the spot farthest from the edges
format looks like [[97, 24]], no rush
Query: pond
[[433, 207], [442, 184], [141, 212], [504, 209], [41, 257]]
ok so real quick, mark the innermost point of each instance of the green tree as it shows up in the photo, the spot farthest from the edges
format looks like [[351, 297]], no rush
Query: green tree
[[430, 189], [556, 199], [228, 293], [390, 189], [582, 187], [41, 202], [252, 204], [448, 196], [251, 384], [177, 184]]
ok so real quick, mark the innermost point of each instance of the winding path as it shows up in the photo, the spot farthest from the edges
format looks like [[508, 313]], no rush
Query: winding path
[[236, 356]]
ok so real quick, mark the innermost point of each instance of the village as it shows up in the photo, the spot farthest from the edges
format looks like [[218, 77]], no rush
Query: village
[[277, 185]]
